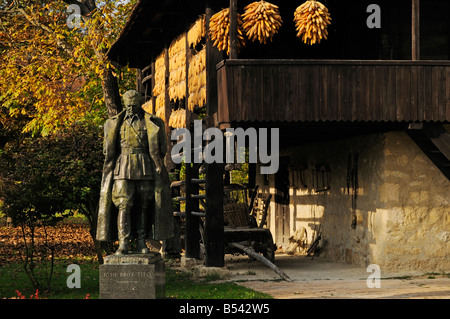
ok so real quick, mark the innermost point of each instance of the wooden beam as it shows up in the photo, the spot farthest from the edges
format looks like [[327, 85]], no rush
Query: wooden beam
[[147, 78], [415, 36], [186, 100], [139, 81], [153, 109], [213, 57], [192, 237], [214, 222], [167, 111], [214, 242], [233, 30], [147, 69]]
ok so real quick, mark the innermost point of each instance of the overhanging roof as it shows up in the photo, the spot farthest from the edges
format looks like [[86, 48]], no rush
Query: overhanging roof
[[151, 27]]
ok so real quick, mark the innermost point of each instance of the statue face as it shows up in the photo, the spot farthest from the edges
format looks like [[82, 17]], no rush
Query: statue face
[[132, 109], [132, 101]]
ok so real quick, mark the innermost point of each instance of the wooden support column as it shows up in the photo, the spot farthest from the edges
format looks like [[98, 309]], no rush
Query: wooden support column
[[192, 238], [186, 100], [415, 36], [233, 30], [214, 244], [139, 77], [167, 110], [153, 109]]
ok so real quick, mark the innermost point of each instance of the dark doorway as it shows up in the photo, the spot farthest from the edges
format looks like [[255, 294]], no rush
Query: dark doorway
[[282, 233]]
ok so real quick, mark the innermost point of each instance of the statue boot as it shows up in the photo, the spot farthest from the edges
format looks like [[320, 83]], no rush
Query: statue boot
[[124, 231], [141, 246]]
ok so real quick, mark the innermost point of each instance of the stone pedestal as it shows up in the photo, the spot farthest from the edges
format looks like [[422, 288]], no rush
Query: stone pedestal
[[133, 276]]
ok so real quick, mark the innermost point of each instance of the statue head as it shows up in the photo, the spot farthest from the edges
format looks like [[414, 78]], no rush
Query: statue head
[[133, 101]]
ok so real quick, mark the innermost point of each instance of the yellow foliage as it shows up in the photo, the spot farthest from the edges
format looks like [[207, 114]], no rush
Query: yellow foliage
[[49, 72]]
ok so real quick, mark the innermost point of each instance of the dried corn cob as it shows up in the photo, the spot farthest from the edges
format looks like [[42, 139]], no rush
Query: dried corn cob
[[311, 21], [197, 80], [219, 27], [262, 21], [178, 118], [197, 32], [177, 69], [160, 80]]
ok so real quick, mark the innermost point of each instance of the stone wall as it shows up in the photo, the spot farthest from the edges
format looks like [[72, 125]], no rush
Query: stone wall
[[402, 207]]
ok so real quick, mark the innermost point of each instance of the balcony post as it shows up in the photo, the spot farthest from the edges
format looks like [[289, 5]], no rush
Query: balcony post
[[415, 36], [233, 30], [213, 231]]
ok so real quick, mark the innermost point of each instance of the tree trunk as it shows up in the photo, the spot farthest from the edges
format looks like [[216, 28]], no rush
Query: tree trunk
[[111, 94], [90, 211], [110, 85]]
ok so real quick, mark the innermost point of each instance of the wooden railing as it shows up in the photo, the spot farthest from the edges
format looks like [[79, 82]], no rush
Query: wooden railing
[[333, 90]]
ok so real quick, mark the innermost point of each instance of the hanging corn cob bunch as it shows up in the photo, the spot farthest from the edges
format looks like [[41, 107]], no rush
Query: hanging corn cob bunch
[[219, 28], [147, 106], [197, 32], [178, 118], [197, 80], [177, 69], [262, 21], [160, 86], [161, 113], [311, 21]]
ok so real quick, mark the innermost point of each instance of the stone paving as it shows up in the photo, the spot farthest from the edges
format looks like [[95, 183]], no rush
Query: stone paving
[[319, 278]]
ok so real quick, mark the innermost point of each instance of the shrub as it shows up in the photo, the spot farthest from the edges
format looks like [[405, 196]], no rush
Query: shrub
[[45, 179]]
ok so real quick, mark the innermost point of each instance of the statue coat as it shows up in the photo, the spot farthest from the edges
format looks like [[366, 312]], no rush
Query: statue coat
[[161, 223]]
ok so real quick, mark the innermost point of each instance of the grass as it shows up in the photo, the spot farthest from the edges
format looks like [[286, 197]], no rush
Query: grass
[[179, 284], [13, 278]]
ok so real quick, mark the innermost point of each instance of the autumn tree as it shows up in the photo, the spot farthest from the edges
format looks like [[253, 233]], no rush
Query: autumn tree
[[54, 76], [44, 180], [53, 63]]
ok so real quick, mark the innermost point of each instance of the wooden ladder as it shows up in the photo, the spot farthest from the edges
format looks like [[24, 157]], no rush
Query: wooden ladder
[[203, 228]]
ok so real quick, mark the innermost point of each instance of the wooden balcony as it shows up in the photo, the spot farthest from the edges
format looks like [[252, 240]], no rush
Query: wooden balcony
[[333, 90]]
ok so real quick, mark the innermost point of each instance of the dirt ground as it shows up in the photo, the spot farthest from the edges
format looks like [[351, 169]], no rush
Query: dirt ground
[[319, 278]]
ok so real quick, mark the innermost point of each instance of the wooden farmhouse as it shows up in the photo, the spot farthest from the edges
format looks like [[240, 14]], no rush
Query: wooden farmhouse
[[362, 118]]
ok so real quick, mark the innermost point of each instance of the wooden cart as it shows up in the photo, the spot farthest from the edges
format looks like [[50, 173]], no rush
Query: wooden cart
[[244, 222]]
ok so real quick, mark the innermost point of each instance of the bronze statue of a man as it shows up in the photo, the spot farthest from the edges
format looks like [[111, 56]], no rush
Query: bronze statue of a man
[[135, 198]]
